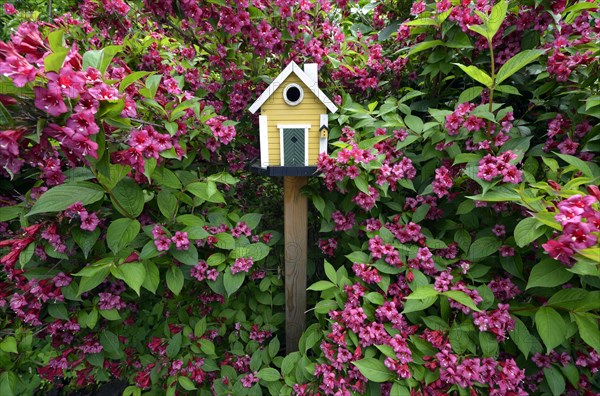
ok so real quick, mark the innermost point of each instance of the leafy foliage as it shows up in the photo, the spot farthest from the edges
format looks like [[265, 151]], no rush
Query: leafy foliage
[[457, 210]]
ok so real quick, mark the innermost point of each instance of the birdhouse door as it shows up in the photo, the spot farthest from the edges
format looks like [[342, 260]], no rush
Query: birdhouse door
[[294, 147]]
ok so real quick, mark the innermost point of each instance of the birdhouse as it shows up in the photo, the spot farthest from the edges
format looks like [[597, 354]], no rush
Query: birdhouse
[[293, 126]]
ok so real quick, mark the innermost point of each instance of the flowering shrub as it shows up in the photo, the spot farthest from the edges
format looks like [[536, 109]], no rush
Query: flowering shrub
[[458, 211]]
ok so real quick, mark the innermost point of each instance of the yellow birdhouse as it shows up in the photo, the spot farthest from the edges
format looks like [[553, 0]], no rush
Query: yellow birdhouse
[[293, 122]]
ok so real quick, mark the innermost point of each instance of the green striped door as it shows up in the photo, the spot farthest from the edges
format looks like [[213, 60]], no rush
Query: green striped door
[[293, 147]]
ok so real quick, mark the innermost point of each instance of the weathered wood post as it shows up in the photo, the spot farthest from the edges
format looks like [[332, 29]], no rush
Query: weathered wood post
[[295, 234]]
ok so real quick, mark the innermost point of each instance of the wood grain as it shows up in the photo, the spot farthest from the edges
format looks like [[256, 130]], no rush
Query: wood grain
[[295, 230]]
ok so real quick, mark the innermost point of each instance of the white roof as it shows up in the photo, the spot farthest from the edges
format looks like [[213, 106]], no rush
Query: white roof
[[312, 85]]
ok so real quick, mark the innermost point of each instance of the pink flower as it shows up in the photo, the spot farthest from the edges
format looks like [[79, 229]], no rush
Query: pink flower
[[181, 240], [89, 222], [50, 100], [558, 251], [70, 83], [9, 9], [241, 265]]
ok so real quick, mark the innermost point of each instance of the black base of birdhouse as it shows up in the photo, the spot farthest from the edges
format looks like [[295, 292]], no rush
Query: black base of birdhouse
[[279, 171]]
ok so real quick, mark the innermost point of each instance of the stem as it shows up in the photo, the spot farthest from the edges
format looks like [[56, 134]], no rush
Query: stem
[[491, 100]]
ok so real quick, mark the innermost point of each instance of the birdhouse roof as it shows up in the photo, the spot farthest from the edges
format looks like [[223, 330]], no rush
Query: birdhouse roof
[[312, 85]]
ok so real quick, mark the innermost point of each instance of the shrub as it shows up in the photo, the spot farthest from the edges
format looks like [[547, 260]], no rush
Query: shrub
[[458, 212]]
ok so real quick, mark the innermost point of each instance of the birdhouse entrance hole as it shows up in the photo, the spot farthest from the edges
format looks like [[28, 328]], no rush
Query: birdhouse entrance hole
[[293, 94]]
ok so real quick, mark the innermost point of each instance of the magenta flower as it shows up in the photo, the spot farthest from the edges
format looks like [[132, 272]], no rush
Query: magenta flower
[[83, 123], [181, 241], [14, 66], [558, 251], [50, 100], [9, 9]]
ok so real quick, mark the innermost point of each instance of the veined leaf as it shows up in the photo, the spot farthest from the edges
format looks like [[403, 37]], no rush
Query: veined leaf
[[477, 74], [516, 63]]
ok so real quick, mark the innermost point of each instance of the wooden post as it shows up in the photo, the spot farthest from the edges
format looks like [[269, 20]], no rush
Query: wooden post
[[295, 234]]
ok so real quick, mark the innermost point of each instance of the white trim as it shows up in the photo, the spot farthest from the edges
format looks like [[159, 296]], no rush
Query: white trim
[[312, 85], [289, 102], [305, 126], [323, 141], [264, 141], [281, 127]]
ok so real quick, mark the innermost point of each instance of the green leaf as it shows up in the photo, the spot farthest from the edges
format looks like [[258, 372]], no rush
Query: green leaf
[[498, 194], [577, 164], [120, 233], [548, 273], [373, 369], [133, 274], [528, 230], [54, 61], [55, 39], [131, 78], [555, 380], [85, 239], [489, 344], [477, 74], [188, 257], [362, 184], [423, 292], [233, 282], [152, 278], [414, 123], [419, 214], [462, 298], [588, 329], [129, 198], [496, 17], [425, 45], [200, 327], [8, 383], [61, 197], [551, 327], [321, 285], [569, 299], [58, 311], [251, 219], [174, 280], [508, 89], [269, 374], [9, 344], [521, 337], [167, 204], [483, 247], [165, 177], [186, 383], [225, 241], [174, 345], [516, 63], [110, 342], [469, 94], [93, 278], [110, 314]]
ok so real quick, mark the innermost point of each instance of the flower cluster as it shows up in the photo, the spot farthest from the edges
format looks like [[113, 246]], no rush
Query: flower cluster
[[579, 220], [89, 221], [491, 167]]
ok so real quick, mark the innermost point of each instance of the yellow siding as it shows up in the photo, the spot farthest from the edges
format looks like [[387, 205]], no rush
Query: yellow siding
[[307, 112]]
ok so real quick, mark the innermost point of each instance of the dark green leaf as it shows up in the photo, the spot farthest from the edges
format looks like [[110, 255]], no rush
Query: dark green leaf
[[61, 197], [551, 327], [174, 280], [129, 198], [120, 233], [548, 273], [373, 369]]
